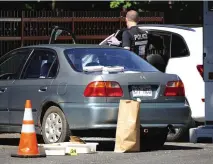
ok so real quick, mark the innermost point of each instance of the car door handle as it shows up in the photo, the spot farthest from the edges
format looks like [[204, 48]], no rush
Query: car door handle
[[2, 90], [42, 89]]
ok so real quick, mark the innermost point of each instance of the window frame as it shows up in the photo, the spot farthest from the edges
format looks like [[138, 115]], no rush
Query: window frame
[[185, 45], [31, 56], [172, 33], [10, 54], [163, 33]]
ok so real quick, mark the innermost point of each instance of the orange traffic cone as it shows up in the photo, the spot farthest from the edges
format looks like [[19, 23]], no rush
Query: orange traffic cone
[[28, 146]]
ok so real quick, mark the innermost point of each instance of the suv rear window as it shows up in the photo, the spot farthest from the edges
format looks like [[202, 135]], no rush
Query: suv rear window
[[81, 57]]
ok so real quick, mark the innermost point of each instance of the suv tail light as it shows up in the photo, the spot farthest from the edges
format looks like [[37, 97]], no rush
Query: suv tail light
[[103, 89], [175, 88], [200, 70]]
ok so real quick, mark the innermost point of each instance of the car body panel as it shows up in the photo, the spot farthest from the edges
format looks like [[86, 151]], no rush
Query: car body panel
[[27, 90], [156, 80], [5, 89], [104, 115]]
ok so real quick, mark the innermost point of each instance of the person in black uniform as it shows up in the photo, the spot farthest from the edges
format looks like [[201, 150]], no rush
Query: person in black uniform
[[134, 38], [139, 41]]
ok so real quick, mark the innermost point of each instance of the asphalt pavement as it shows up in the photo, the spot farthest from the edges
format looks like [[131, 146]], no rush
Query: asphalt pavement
[[172, 153]]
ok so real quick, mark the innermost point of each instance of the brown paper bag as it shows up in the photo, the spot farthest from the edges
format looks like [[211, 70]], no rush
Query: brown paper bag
[[128, 127]]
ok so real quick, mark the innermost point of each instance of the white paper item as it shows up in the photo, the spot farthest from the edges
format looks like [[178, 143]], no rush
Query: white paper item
[[92, 68], [113, 69]]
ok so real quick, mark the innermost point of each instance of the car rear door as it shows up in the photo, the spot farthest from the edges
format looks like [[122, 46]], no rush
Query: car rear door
[[34, 84], [10, 67]]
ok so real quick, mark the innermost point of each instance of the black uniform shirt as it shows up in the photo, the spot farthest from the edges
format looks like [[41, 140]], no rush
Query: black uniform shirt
[[136, 39]]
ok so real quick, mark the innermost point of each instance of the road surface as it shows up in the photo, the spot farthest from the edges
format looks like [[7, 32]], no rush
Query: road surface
[[172, 153]]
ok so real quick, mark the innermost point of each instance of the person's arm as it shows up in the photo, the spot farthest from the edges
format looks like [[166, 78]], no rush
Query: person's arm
[[126, 40]]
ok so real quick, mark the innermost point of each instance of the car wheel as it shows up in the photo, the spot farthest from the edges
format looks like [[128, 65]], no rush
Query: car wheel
[[154, 139], [54, 126]]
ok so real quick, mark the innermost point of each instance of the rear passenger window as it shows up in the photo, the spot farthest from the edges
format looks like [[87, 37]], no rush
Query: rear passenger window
[[179, 47], [43, 64], [11, 67]]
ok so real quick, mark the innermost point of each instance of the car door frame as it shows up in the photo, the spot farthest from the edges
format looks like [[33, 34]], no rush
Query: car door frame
[[16, 127], [9, 82]]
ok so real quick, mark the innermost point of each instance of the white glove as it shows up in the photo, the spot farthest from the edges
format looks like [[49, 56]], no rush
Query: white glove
[[114, 41]]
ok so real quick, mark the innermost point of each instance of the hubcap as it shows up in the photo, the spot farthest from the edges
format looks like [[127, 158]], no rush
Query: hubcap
[[53, 127]]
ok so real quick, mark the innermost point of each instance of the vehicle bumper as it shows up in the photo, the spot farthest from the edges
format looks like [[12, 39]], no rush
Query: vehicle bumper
[[104, 115]]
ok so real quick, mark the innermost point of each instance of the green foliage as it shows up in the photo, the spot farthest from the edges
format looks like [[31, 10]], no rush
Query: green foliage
[[122, 3], [29, 7]]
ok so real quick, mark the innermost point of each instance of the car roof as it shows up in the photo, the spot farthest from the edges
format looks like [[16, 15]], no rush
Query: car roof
[[168, 26], [186, 32], [66, 46]]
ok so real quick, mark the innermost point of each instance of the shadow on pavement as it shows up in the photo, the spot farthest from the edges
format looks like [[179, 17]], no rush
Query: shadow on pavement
[[14, 141], [176, 147], [109, 146], [94, 133], [9, 141], [103, 145]]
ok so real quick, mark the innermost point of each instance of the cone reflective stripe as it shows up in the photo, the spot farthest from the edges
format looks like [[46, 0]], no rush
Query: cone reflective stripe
[[28, 145]]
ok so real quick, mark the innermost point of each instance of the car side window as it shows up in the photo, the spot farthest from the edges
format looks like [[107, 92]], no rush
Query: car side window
[[12, 64], [159, 42], [178, 47], [43, 64]]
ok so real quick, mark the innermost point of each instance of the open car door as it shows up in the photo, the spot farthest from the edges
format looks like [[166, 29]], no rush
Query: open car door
[[60, 31]]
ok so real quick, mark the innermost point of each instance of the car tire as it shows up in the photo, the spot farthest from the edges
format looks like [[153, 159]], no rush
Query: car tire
[[153, 140], [55, 116], [39, 138]]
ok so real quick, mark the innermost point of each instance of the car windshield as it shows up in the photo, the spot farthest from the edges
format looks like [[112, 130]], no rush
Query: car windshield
[[107, 57]]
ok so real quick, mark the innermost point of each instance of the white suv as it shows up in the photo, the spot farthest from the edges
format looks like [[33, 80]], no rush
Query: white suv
[[181, 50]]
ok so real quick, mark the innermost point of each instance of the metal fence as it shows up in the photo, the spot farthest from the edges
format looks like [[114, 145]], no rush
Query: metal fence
[[19, 28]]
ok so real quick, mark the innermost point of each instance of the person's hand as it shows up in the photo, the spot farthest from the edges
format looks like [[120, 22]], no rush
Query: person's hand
[[114, 41]]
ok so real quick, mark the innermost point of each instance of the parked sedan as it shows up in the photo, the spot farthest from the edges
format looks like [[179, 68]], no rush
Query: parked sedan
[[79, 87]]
